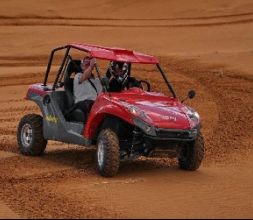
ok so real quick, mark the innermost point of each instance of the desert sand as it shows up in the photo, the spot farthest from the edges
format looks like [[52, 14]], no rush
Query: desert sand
[[203, 45]]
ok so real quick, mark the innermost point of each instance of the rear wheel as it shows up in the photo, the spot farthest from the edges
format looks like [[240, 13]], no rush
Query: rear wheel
[[108, 153], [192, 154], [30, 135]]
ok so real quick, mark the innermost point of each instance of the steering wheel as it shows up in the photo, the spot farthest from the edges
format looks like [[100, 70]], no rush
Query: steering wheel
[[145, 82]]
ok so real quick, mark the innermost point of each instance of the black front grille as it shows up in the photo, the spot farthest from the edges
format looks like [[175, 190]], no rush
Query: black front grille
[[176, 134]]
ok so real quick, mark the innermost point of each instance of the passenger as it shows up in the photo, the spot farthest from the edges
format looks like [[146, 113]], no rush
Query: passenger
[[86, 86]]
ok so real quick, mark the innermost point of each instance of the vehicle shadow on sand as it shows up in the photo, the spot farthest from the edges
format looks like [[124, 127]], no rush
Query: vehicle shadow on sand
[[85, 159], [76, 158]]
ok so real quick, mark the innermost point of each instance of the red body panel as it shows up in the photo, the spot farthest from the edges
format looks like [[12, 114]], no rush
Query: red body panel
[[37, 89], [104, 106], [116, 54], [161, 111]]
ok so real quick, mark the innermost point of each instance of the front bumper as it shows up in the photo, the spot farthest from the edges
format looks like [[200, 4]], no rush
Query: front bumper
[[175, 134], [166, 134]]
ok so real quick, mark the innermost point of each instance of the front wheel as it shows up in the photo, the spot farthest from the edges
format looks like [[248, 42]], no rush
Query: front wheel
[[30, 135], [108, 153], [192, 154]]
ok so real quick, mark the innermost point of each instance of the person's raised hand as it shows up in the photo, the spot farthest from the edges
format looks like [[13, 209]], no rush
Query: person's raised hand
[[93, 61]]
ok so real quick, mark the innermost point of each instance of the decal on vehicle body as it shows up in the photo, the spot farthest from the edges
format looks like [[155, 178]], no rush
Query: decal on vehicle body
[[51, 118], [169, 118]]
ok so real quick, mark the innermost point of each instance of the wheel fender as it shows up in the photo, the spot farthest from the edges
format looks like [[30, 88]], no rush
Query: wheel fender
[[96, 118]]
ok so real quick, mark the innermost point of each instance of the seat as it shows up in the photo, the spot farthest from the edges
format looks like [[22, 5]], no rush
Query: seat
[[72, 113]]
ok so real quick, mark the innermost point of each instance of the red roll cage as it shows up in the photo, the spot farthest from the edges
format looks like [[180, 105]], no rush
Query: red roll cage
[[106, 53]]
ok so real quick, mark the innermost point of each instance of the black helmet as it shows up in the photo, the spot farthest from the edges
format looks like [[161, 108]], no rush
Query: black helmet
[[123, 67]]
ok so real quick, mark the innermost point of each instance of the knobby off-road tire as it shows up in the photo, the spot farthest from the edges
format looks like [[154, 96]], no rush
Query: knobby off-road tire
[[108, 153], [30, 135], [192, 154]]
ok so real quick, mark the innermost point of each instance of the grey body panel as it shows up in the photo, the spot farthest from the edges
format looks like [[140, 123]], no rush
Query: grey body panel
[[55, 126]]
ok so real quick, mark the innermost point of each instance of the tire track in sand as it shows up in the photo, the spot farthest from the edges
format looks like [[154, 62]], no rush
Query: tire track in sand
[[7, 213], [123, 19], [35, 23], [204, 21]]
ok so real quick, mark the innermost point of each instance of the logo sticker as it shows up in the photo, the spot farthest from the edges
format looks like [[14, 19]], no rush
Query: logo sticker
[[51, 118], [169, 118]]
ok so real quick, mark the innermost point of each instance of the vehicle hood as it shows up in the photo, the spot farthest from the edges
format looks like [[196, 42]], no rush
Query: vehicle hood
[[161, 111]]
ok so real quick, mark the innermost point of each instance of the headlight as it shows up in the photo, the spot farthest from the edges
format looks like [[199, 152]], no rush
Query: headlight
[[146, 128], [193, 116], [140, 119], [134, 110]]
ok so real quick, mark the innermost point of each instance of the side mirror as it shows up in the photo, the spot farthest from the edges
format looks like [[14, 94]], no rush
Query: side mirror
[[191, 94]]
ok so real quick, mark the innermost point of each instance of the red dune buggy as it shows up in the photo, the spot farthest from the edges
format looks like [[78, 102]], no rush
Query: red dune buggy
[[122, 125]]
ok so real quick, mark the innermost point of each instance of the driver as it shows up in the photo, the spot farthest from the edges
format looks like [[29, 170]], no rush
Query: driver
[[118, 75]]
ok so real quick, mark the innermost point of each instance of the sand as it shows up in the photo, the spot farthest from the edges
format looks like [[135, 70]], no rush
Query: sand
[[205, 45]]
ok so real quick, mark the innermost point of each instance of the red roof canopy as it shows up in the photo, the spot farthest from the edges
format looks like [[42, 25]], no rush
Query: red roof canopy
[[116, 54]]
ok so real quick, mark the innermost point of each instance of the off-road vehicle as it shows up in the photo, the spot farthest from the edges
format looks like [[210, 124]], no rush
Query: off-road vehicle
[[136, 121]]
